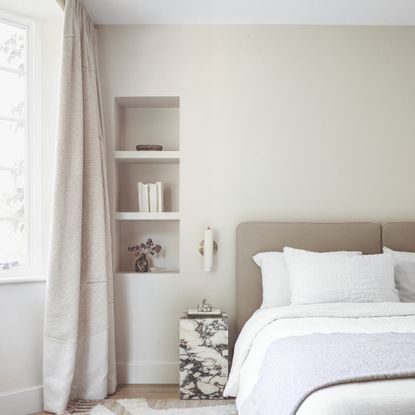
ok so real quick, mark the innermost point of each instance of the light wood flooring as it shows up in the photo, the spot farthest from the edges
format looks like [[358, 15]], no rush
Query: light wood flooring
[[142, 391]]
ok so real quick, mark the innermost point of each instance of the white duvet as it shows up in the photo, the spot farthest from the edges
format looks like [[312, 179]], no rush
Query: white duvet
[[368, 398]]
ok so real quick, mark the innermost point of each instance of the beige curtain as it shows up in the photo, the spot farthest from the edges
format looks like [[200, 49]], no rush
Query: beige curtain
[[79, 356]]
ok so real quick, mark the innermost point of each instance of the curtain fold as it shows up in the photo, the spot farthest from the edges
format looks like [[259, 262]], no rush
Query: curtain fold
[[79, 352]]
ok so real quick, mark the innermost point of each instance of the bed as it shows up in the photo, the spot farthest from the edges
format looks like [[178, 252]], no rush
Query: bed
[[320, 324]]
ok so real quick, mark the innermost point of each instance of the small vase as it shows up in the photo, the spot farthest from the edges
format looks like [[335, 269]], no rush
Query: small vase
[[141, 264]]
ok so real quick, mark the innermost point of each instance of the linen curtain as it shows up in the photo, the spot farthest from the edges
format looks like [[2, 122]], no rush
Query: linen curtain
[[79, 353]]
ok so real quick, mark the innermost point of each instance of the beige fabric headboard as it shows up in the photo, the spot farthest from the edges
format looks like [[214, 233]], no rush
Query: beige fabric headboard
[[254, 237], [399, 236]]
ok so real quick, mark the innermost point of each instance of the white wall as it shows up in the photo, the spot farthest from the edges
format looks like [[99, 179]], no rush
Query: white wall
[[21, 326], [21, 305], [277, 123]]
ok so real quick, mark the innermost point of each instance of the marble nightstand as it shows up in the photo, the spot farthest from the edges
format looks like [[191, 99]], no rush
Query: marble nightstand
[[203, 357]]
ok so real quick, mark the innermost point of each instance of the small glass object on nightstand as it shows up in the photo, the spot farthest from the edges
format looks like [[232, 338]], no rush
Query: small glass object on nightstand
[[204, 306], [204, 310]]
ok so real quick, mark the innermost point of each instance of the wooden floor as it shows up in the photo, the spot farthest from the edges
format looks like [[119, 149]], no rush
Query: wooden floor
[[146, 392], [142, 391]]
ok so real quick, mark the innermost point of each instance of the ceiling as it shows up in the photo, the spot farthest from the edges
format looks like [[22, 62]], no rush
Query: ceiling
[[339, 12], [331, 12], [37, 9]]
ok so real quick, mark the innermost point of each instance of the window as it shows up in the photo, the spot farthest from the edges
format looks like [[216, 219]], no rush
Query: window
[[18, 252]]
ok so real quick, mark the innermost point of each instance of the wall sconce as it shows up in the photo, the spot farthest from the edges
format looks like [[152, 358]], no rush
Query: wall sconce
[[207, 248]]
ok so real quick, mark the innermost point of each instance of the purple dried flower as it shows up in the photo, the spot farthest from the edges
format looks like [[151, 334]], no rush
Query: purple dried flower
[[147, 248]]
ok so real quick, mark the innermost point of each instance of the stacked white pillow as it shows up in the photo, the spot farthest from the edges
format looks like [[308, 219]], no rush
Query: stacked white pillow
[[297, 276], [404, 274], [276, 277], [318, 278]]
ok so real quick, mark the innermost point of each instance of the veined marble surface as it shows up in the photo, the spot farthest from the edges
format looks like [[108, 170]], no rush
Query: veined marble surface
[[203, 357]]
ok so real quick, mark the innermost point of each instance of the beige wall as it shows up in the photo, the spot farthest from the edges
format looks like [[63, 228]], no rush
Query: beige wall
[[277, 123]]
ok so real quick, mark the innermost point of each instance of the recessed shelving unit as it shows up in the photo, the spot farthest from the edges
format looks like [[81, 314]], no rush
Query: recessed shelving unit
[[150, 274], [147, 120], [147, 216], [147, 156]]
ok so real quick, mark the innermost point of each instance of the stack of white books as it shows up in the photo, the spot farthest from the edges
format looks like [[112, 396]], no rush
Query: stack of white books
[[150, 197]]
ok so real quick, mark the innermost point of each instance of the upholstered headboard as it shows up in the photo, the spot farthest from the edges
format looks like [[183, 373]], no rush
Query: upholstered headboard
[[399, 236], [254, 237]]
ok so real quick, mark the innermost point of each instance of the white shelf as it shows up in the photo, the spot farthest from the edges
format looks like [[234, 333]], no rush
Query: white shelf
[[147, 156], [147, 274], [147, 216]]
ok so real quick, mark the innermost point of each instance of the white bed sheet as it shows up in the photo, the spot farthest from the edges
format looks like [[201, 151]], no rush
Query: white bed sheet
[[377, 397], [391, 397]]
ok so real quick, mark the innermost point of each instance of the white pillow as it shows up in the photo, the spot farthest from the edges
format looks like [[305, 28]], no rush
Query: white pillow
[[404, 274], [400, 256], [276, 278], [340, 278]]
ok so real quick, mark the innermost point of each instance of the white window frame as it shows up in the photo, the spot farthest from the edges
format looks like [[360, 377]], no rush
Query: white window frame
[[34, 269]]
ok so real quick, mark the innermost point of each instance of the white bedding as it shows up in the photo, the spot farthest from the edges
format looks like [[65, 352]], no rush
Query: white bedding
[[378, 397]]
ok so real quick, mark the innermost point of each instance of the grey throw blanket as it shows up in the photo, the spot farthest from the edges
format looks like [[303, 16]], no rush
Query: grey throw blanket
[[295, 367]]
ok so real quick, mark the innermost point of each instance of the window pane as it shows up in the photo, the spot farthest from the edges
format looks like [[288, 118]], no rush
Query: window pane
[[12, 46], [13, 94], [12, 254], [13, 145]]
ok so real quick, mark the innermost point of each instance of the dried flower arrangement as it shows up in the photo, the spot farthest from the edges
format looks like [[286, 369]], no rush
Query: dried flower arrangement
[[147, 248], [141, 251]]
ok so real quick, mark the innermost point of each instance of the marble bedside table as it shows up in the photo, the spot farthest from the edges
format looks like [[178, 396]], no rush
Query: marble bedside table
[[203, 357]]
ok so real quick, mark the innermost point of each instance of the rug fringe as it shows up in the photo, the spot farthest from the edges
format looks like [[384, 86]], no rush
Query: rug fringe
[[80, 406]]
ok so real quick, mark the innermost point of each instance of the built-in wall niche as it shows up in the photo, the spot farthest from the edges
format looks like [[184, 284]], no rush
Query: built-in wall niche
[[147, 120], [131, 173], [165, 233]]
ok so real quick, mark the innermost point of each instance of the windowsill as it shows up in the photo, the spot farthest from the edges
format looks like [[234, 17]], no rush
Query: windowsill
[[22, 280]]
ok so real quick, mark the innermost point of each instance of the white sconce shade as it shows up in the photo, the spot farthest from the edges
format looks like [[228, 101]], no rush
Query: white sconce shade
[[208, 248]]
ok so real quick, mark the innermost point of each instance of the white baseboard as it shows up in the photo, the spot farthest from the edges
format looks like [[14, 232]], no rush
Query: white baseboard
[[25, 401], [148, 372]]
